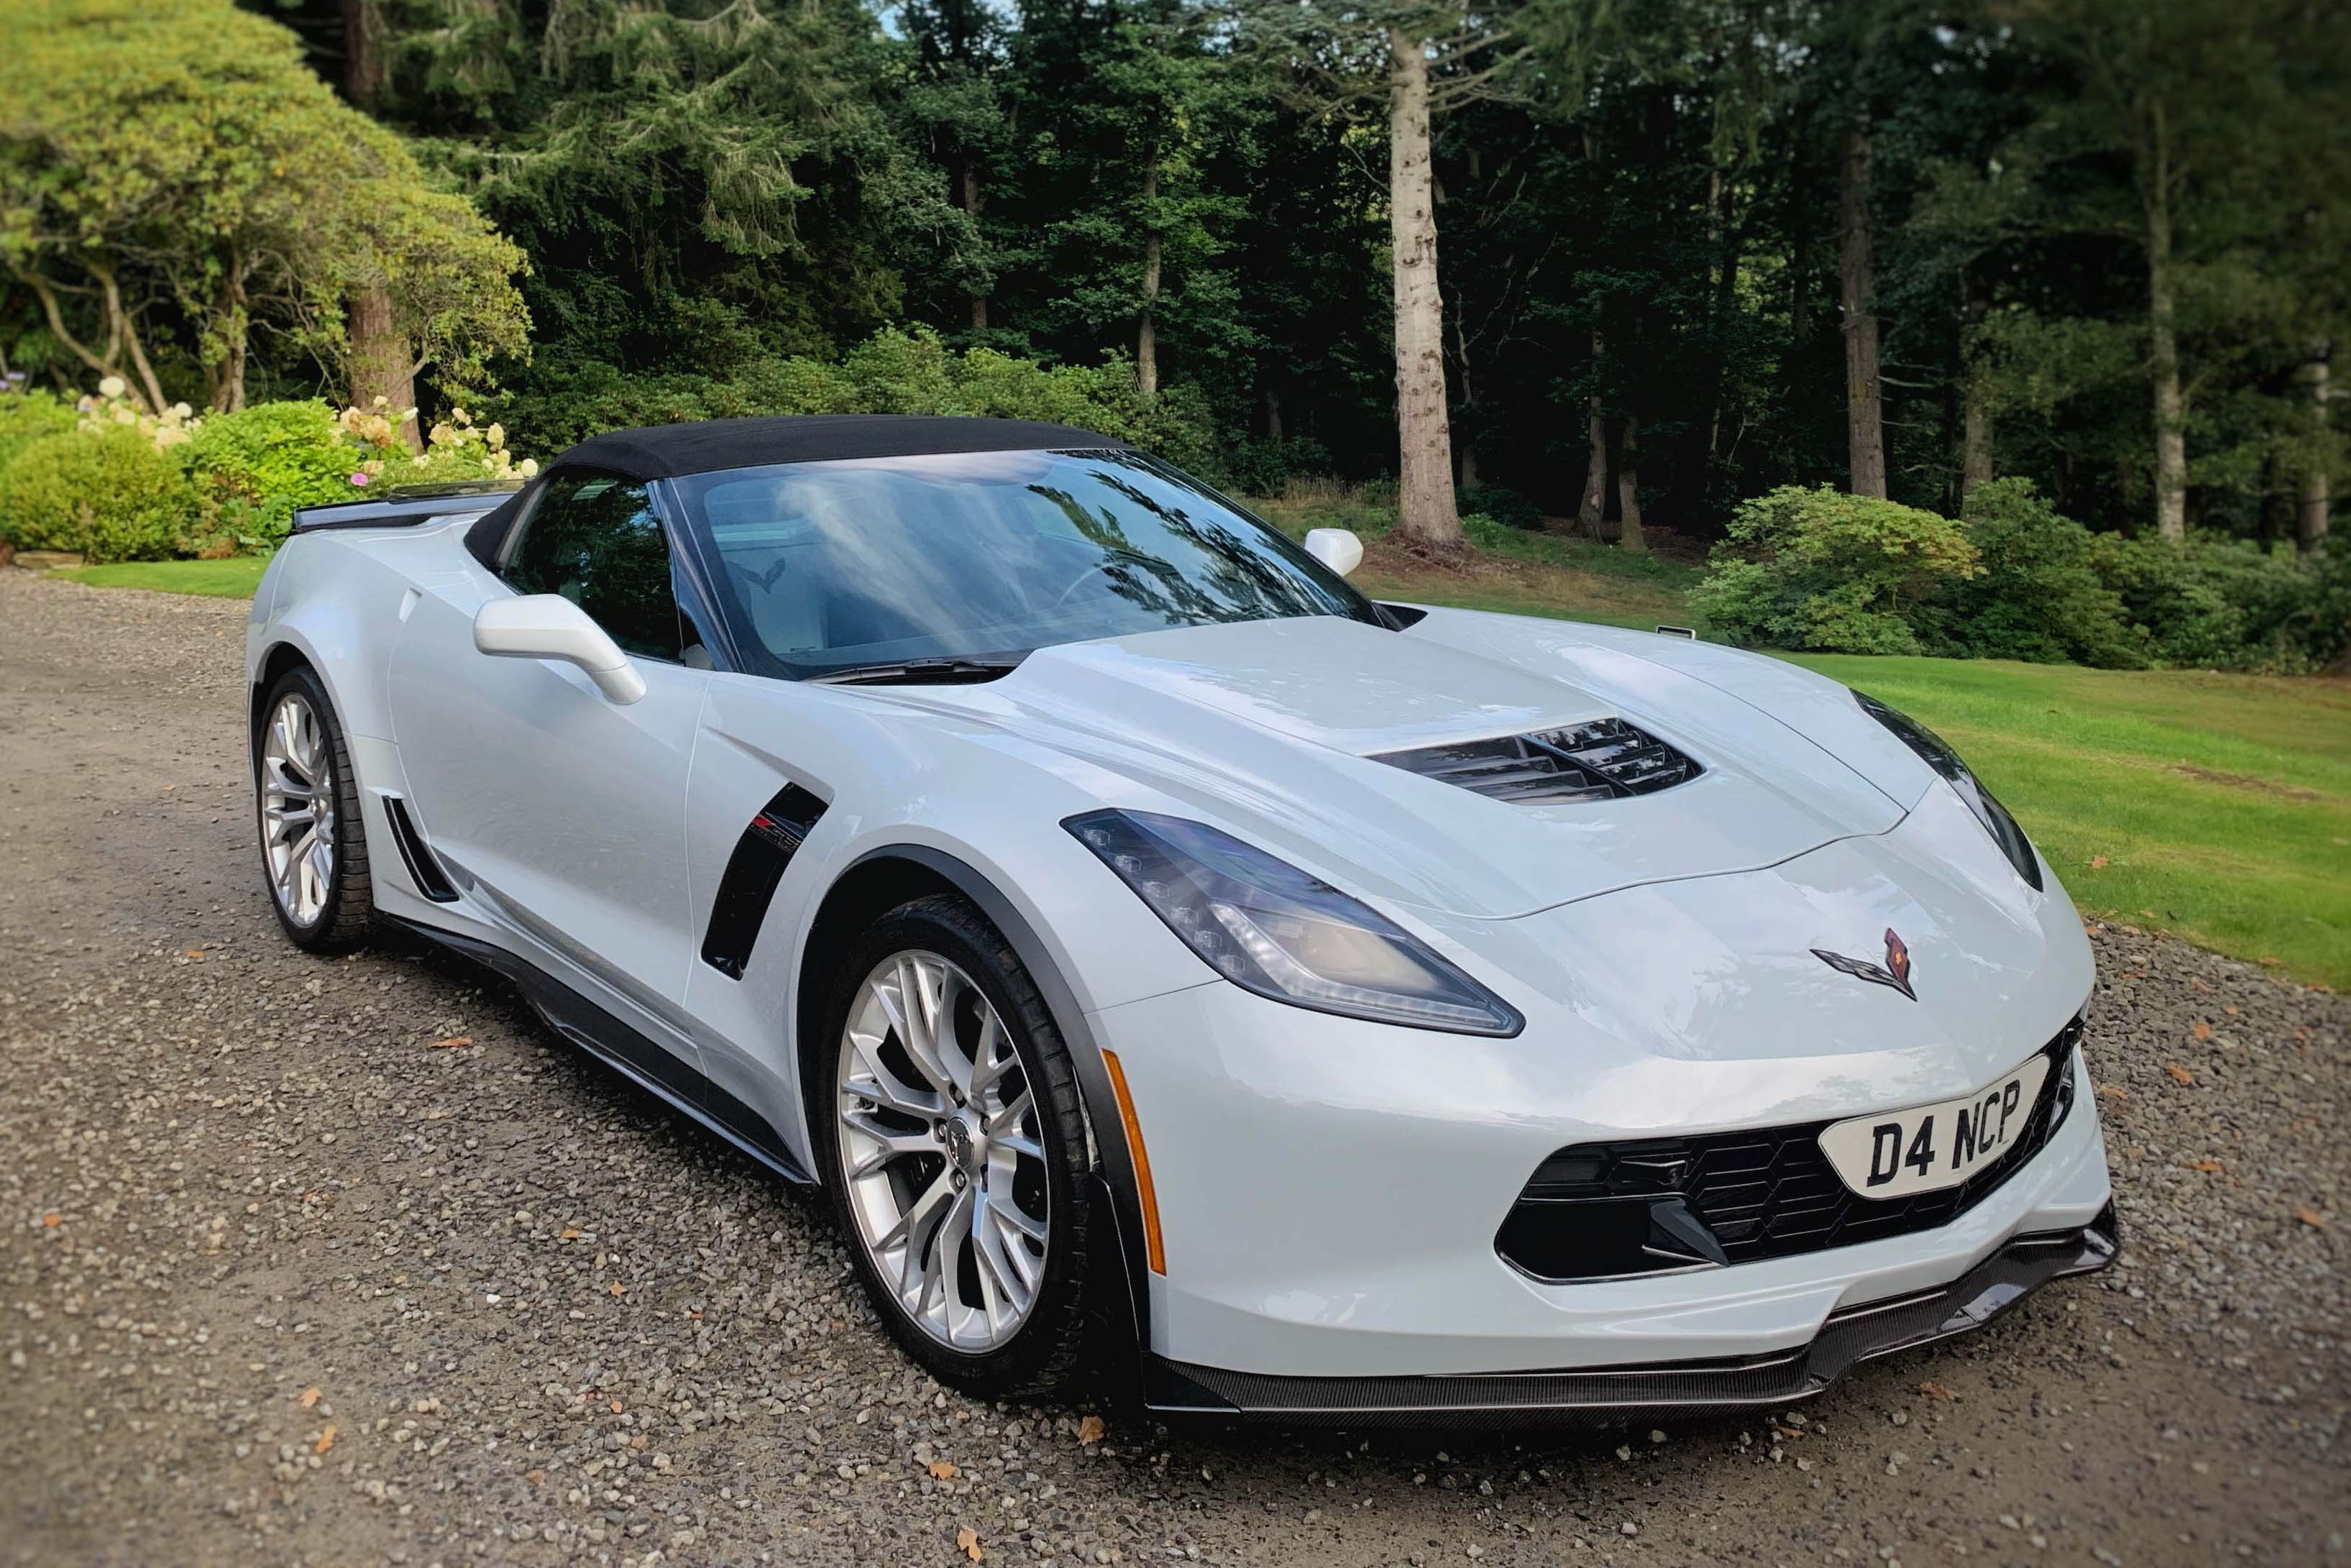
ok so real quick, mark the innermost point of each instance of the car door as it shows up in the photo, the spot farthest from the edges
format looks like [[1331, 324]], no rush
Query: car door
[[567, 809]]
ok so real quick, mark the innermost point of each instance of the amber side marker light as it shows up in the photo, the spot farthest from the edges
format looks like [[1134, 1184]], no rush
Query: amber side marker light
[[1151, 1245]]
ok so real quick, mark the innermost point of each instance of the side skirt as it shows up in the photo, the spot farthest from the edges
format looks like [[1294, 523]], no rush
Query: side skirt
[[628, 1052]]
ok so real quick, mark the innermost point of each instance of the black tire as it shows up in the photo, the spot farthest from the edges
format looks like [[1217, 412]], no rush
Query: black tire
[[1043, 1355], [347, 913]]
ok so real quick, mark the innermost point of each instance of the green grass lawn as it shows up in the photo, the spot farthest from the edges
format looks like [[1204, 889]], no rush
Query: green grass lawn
[[2216, 807], [1515, 571], [234, 577]]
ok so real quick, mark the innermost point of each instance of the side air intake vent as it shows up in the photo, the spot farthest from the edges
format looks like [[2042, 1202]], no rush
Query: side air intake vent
[[755, 868], [424, 870], [1601, 760]]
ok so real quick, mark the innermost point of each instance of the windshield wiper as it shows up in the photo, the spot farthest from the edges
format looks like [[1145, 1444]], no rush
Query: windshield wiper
[[918, 672]]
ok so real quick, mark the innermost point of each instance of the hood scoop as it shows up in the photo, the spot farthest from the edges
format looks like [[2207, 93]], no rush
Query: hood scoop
[[1603, 760]]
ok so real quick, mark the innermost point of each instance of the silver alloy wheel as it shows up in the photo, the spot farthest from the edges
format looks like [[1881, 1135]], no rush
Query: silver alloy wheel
[[942, 1151], [298, 809]]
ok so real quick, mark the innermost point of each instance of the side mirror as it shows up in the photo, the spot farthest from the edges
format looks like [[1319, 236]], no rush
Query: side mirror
[[549, 626], [1337, 548]]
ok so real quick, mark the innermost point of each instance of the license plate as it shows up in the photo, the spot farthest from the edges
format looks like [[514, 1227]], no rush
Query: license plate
[[1929, 1147]]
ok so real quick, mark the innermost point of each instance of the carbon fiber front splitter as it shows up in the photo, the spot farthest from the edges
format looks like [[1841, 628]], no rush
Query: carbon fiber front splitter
[[1607, 1395]]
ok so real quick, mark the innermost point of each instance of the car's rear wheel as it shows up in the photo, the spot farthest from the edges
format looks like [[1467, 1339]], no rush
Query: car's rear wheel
[[306, 800], [955, 1150]]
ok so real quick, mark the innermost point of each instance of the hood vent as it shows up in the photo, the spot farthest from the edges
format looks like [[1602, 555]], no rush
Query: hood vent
[[1602, 760]]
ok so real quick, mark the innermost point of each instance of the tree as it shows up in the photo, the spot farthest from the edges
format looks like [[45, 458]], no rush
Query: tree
[[175, 181], [2211, 107], [383, 361], [1423, 57], [700, 187], [1126, 111], [952, 103], [1864, 404]]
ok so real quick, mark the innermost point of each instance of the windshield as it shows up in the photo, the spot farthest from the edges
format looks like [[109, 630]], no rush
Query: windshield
[[988, 555]]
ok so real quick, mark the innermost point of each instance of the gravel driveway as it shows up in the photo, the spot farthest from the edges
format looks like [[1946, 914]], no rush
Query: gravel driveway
[[351, 1261]]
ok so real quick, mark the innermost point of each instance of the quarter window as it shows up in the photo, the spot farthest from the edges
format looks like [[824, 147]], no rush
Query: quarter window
[[595, 539]]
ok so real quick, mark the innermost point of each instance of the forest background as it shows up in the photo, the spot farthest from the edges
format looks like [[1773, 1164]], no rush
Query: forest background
[[1586, 265]]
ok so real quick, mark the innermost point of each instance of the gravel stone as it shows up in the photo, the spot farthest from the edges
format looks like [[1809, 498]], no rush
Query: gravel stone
[[549, 1322]]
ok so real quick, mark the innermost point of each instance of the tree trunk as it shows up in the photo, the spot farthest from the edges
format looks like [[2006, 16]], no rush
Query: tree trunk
[[2272, 501], [1146, 331], [380, 367], [363, 61], [2163, 356], [973, 201], [228, 385], [1628, 488], [1800, 263], [1271, 396], [1975, 396], [379, 354], [1724, 240], [1865, 397], [1469, 478], [1976, 438], [1593, 507], [2311, 517], [1426, 513]]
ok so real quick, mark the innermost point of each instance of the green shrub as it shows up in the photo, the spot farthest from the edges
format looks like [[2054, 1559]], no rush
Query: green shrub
[[106, 493], [1502, 504], [2040, 596], [893, 371], [1835, 573], [1265, 466], [2323, 624], [2218, 604], [29, 416], [257, 465]]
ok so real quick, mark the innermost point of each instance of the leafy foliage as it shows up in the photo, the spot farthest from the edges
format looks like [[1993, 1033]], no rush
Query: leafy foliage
[[252, 467], [892, 372], [2039, 596], [175, 179], [28, 416], [108, 494], [714, 207], [1836, 573], [1830, 573]]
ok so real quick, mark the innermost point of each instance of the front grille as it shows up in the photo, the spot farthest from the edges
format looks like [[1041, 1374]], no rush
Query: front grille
[[1603, 761], [1652, 1206]]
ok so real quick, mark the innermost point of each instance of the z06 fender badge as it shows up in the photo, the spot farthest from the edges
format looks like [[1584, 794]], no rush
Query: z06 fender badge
[[1894, 972]]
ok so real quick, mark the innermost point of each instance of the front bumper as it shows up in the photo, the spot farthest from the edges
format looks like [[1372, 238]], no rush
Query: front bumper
[[1602, 1395], [1329, 1192]]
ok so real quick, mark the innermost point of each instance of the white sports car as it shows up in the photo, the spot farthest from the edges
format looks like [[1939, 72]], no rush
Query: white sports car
[[1383, 1013]]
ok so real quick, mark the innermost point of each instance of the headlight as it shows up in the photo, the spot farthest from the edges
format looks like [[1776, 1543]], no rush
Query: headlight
[[1270, 928], [1940, 756]]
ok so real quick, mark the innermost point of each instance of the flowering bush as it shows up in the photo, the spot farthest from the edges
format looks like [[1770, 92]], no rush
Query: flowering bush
[[113, 408], [217, 485], [252, 468], [455, 448]]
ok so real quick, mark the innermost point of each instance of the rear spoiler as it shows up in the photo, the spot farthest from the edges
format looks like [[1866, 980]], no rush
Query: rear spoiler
[[405, 505]]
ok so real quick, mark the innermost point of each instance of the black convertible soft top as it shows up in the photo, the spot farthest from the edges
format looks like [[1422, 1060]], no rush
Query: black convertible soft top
[[666, 451]]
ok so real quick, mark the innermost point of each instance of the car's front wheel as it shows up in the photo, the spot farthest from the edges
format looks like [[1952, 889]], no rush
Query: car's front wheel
[[306, 800], [956, 1149]]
